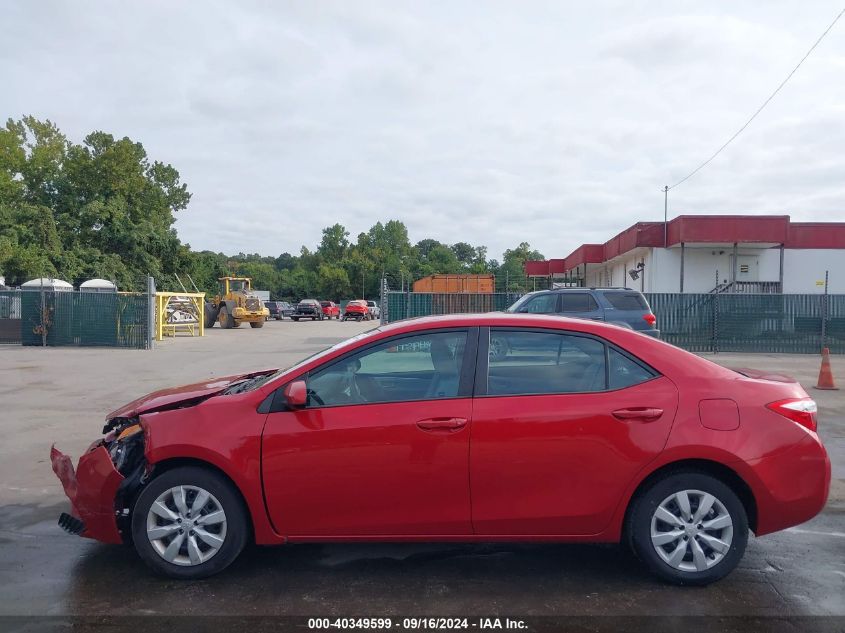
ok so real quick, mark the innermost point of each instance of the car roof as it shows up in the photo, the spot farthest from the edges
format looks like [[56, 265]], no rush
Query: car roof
[[583, 289], [504, 319]]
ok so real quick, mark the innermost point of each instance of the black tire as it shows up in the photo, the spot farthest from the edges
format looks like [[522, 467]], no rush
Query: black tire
[[639, 523], [227, 321], [255, 324], [293, 318], [237, 525], [210, 315]]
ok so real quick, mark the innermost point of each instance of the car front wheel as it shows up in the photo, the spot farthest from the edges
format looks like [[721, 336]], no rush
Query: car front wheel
[[189, 523], [689, 528]]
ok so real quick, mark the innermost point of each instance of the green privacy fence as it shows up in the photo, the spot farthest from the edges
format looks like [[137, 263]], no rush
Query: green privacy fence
[[85, 319], [800, 324], [406, 305]]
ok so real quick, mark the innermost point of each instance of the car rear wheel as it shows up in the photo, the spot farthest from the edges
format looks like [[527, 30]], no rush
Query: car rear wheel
[[689, 528], [189, 523]]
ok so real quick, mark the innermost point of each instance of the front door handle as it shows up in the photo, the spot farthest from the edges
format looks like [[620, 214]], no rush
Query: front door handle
[[448, 425], [644, 414]]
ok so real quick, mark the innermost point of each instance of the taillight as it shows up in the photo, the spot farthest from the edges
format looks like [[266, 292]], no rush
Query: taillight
[[650, 319], [800, 410]]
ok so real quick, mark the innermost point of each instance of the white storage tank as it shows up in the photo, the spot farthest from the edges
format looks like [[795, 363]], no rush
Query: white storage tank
[[97, 285], [48, 283]]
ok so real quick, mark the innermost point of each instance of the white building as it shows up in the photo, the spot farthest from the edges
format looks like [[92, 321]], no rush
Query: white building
[[700, 254]]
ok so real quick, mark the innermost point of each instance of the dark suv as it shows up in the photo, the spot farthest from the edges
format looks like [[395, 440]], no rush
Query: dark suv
[[619, 306], [308, 309], [278, 309]]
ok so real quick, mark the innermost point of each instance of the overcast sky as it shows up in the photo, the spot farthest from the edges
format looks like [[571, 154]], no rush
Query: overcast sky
[[555, 123]]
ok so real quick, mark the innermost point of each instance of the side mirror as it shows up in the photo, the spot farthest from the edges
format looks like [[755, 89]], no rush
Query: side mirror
[[296, 394]]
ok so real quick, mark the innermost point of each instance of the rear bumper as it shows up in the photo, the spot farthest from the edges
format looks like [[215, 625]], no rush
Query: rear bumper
[[91, 488], [793, 485]]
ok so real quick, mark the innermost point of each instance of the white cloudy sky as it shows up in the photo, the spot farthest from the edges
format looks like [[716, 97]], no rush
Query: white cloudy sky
[[556, 123]]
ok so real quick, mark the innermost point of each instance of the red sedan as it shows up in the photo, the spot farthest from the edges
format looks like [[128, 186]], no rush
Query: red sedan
[[414, 431], [330, 309]]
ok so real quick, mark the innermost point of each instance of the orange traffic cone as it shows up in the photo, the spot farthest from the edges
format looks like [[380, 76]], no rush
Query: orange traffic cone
[[825, 374]]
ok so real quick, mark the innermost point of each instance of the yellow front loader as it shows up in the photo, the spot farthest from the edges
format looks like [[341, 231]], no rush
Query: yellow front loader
[[235, 304]]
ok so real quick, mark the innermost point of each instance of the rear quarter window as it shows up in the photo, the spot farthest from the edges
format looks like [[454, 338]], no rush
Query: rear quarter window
[[626, 300], [578, 302]]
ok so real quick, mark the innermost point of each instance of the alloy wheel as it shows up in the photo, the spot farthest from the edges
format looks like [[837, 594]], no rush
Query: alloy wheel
[[186, 525], [691, 530]]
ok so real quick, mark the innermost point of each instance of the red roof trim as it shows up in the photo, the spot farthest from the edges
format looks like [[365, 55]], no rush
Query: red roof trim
[[692, 229]]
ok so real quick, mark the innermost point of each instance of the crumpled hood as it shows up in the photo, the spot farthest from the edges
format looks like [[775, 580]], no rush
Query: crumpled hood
[[175, 397]]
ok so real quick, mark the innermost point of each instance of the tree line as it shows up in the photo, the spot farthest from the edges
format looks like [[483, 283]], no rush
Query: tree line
[[104, 209]]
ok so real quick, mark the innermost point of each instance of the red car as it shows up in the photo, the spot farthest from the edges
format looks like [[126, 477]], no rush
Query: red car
[[581, 432], [330, 309], [357, 309]]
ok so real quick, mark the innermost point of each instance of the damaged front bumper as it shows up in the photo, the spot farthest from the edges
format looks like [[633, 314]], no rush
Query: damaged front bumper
[[92, 489], [105, 483]]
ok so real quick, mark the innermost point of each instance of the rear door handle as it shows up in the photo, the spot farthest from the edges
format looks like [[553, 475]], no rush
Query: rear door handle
[[645, 414], [447, 425]]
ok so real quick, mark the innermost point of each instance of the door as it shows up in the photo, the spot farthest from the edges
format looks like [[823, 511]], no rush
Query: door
[[382, 446], [561, 425]]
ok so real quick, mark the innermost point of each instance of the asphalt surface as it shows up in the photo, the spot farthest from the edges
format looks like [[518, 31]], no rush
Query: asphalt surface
[[50, 578]]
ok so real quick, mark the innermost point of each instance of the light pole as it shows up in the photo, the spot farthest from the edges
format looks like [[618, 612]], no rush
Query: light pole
[[665, 216]]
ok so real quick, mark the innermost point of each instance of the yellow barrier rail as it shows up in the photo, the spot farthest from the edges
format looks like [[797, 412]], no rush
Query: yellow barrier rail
[[179, 312]]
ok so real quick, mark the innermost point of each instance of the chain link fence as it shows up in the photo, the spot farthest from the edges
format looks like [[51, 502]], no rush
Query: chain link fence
[[10, 317], [74, 318]]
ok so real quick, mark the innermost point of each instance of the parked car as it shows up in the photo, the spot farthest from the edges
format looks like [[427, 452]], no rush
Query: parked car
[[356, 309], [619, 306], [375, 309], [412, 432], [308, 309], [330, 309], [279, 309]]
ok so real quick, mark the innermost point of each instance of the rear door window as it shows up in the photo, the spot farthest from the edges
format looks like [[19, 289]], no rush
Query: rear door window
[[532, 362], [578, 302]]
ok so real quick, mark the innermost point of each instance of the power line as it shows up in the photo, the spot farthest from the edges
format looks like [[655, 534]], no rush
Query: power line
[[760, 109]]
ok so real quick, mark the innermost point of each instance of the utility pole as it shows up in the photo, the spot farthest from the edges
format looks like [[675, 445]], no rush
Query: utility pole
[[665, 216], [362, 283]]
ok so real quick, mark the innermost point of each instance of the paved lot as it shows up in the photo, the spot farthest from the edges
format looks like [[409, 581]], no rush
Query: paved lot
[[62, 395]]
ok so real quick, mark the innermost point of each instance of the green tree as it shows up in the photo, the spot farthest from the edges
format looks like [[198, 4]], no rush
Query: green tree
[[99, 208], [335, 243]]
